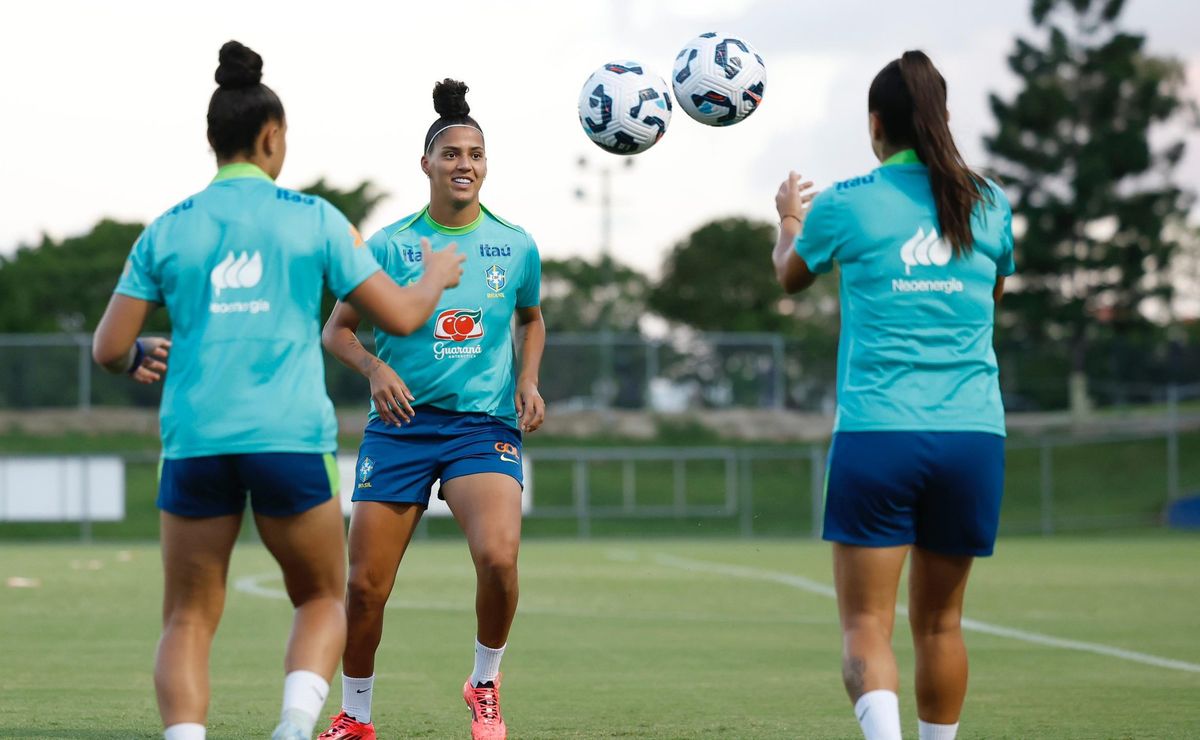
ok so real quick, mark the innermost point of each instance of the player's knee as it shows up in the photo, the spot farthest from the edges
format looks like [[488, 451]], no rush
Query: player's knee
[[868, 625], [497, 564], [934, 622], [365, 593]]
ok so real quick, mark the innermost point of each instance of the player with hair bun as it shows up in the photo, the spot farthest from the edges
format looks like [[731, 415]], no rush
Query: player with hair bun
[[449, 403], [916, 466], [241, 267]]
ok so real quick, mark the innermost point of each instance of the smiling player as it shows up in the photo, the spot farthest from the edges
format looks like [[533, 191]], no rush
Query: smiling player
[[461, 422]]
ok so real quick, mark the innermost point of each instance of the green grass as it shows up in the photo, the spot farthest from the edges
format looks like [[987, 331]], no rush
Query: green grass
[[610, 641]]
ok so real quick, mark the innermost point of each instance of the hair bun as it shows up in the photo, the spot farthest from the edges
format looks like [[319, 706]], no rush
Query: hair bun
[[450, 99], [240, 66]]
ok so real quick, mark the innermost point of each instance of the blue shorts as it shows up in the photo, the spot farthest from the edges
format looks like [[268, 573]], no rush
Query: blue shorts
[[278, 483], [399, 464], [939, 491]]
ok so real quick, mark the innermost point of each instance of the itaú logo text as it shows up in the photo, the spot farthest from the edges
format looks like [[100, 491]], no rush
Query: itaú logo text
[[242, 271], [924, 249]]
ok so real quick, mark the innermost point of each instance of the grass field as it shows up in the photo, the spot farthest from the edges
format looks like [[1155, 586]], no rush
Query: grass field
[[630, 639]]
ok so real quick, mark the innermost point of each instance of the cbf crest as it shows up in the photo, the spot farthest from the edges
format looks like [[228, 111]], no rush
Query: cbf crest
[[496, 278], [364, 472]]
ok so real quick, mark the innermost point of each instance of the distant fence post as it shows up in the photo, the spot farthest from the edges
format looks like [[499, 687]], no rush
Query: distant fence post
[[816, 457], [579, 486], [1172, 442], [746, 497], [1047, 487], [85, 371], [779, 392]]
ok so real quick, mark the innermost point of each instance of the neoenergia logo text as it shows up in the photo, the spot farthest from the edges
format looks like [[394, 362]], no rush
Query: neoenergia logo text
[[237, 273], [925, 250]]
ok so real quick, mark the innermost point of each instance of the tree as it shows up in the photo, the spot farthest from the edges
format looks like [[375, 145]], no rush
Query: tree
[[578, 295], [1101, 213], [720, 279], [65, 285]]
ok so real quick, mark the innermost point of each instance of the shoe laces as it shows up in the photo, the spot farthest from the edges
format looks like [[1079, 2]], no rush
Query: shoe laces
[[341, 722], [487, 698]]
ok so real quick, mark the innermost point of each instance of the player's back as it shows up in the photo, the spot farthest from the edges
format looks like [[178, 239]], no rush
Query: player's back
[[240, 267], [916, 345]]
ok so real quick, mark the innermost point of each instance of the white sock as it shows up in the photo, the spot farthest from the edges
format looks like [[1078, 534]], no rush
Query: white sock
[[487, 663], [930, 731], [878, 714], [356, 697], [304, 693], [184, 731]]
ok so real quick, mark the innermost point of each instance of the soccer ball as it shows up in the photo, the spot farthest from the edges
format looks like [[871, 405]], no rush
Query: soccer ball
[[719, 79], [624, 108]]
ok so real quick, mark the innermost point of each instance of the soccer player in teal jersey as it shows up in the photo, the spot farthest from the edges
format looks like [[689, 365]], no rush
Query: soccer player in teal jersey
[[449, 403], [917, 460], [240, 267]]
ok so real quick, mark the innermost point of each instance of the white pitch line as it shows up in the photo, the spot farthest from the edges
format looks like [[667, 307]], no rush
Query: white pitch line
[[821, 589]]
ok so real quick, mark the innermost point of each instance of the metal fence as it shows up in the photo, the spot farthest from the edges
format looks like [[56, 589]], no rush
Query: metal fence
[[608, 370], [1053, 484]]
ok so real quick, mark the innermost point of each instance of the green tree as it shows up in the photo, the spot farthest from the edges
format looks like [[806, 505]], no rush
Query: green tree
[[720, 279], [579, 295], [1100, 211], [65, 285]]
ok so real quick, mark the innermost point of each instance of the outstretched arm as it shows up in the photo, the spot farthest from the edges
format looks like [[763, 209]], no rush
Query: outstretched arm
[[793, 202]]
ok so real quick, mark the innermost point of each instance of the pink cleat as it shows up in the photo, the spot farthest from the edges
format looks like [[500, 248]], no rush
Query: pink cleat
[[345, 727], [484, 703]]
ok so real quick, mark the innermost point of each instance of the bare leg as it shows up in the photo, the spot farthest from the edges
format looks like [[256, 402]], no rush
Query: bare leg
[[379, 535], [195, 554], [866, 580], [937, 584], [488, 508], [310, 548]]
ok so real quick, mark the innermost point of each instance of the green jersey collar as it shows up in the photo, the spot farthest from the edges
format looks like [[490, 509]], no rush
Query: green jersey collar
[[452, 230], [904, 156], [241, 169]]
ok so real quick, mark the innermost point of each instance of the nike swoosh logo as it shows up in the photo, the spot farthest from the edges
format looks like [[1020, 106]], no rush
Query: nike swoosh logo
[[361, 691], [505, 458]]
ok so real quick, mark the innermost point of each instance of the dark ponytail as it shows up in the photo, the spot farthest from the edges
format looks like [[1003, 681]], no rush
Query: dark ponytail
[[909, 96], [241, 104], [450, 102]]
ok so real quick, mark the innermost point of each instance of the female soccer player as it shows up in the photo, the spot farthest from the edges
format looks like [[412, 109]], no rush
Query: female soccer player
[[917, 459], [240, 267], [460, 423]]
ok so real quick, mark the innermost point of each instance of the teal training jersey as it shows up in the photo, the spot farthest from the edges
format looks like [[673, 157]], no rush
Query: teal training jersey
[[241, 267], [915, 351], [463, 358]]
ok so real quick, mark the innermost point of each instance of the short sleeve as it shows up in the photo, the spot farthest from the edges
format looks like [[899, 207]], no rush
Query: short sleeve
[[378, 245], [817, 243], [348, 262], [140, 278], [1004, 263], [530, 292]]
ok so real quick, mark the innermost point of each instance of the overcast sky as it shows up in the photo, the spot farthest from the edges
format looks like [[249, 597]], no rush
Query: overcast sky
[[104, 102]]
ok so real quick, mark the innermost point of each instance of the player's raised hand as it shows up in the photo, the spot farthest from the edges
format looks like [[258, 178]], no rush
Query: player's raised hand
[[794, 199], [444, 266], [393, 399], [154, 363]]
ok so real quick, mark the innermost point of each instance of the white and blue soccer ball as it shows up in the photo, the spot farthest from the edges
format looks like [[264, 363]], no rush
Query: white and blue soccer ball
[[624, 107], [719, 79]]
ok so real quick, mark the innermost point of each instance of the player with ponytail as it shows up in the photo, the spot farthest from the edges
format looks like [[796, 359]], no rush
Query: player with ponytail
[[449, 403], [241, 267], [916, 466]]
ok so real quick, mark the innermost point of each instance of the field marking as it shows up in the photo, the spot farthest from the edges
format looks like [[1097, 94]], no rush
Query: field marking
[[821, 589], [254, 586]]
